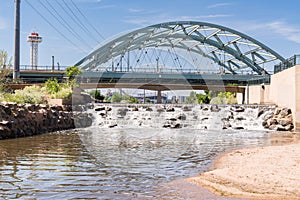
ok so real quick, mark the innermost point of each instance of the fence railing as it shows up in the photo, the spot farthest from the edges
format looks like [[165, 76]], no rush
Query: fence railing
[[260, 80], [294, 60], [42, 68]]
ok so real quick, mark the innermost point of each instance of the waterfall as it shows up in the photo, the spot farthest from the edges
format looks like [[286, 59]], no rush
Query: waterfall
[[210, 117]]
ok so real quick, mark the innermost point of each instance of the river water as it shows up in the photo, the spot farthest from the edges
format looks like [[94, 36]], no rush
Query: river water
[[117, 163]]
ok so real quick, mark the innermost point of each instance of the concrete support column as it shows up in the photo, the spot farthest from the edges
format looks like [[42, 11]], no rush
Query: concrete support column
[[296, 115], [159, 99]]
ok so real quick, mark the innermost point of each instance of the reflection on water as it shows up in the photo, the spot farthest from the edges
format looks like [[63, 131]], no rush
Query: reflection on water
[[109, 163]]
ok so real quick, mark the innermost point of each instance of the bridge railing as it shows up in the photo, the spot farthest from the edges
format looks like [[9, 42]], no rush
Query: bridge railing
[[174, 71], [292, 61], [42, 68], [260, 80]]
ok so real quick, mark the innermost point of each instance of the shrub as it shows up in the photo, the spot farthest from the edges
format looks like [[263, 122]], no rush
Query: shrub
[[30, 94], [203, 98], [192, 99], [97, 95], [133, 100], [72, 71], [116, 98], [216, 100], [64, 93], [231, 100], [52, 86]]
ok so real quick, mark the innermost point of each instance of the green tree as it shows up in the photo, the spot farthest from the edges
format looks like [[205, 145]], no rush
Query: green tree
[[224, 98], [5, 61], [204, 98], [192, 99], [5, 65], [97, 95], [147, 100], [73, 71]]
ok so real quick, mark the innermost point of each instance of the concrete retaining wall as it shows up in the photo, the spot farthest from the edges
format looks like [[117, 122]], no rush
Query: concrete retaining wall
[[284, 91]]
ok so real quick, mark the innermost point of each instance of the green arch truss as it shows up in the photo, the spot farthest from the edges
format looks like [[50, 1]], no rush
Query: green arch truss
[[238, 51]]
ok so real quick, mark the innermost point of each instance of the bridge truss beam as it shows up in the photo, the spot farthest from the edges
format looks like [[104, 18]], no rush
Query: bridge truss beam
[[227, 48]]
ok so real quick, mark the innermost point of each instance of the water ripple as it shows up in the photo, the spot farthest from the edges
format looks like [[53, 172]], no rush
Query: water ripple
[[111, 164]]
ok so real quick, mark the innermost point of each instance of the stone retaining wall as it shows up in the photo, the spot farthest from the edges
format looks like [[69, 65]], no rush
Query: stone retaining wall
[[20, 120]]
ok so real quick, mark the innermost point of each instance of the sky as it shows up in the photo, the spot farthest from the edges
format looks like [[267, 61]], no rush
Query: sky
[[73, 28]]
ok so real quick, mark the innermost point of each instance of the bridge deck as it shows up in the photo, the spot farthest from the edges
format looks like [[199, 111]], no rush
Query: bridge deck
[[165, 87], [151, 81]]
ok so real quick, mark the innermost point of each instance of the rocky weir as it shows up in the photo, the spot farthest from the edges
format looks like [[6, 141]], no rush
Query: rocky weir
[[281, 119], [211, 117], [20, 120]]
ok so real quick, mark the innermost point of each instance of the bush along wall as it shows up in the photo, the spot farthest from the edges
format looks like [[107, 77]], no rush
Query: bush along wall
[[20, 120]]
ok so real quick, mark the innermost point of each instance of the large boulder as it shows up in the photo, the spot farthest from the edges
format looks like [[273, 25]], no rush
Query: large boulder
[[182, 116], [214, 108], [237, 109], [285, 121]]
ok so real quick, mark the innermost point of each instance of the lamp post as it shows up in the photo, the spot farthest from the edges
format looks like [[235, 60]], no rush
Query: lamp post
[[52, 63]]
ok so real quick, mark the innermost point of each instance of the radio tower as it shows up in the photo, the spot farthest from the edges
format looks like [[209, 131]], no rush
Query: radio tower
[[34, 39]]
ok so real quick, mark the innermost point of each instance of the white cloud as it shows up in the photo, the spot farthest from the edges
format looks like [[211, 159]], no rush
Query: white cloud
[[142, 21], [105, 6], [201, 17], [277, 29], [143, 11], [149, 20], [219, 5], [290, 32], [132, 10], [137, 21]]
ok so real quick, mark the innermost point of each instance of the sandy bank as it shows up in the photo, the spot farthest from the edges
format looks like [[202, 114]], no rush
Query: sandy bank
[[270, 172]]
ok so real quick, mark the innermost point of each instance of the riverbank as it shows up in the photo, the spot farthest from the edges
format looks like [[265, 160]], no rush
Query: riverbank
[[21, 120], [269, 172]]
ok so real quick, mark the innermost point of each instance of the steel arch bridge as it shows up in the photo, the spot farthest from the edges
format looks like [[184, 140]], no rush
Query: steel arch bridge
[[182, 46]]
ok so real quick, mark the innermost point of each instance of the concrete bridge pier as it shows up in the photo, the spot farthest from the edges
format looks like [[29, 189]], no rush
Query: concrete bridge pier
[[159, 98]]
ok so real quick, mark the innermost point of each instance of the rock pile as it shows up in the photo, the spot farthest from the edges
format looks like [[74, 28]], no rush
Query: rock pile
[[20, 120], [279, 120]]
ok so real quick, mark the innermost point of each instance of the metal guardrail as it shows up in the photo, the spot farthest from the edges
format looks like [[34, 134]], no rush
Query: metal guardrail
[[174, 71], [252, 80], [294, 60], [42, 68], [140, 70], [260, 80]]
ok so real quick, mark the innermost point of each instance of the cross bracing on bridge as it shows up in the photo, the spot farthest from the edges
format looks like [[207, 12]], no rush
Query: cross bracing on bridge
[[182, 46]]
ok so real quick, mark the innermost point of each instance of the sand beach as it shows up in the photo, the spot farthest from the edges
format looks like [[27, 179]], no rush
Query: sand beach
[[268, 172]]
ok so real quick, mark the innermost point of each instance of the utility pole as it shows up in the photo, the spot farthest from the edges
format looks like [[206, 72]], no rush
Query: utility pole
[[16, 73]]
